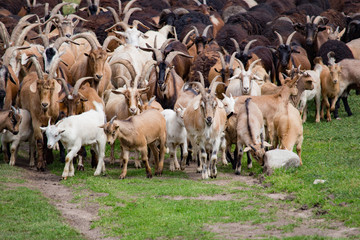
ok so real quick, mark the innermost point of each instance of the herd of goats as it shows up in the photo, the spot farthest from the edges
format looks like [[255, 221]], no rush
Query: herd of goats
[[157, 75]]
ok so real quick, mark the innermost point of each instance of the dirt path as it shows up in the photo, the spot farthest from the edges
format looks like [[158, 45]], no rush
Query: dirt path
[[80, 215]]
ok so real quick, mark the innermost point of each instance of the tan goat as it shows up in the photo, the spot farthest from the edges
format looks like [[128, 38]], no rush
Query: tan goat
[[137, 133]]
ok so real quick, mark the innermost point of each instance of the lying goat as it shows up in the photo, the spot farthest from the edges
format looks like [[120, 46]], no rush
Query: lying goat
[[137, 133], [76, 131]]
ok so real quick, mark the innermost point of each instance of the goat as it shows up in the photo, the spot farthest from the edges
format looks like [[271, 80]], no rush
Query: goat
[[138, 132], [25, 134], [250, 133], [204, 120], [176, 135], [77, 131]]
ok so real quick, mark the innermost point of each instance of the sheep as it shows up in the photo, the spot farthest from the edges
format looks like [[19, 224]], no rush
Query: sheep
[[77, 131], [25, 134], [139, 132], [176, 135], [310, 94], [250, 133]]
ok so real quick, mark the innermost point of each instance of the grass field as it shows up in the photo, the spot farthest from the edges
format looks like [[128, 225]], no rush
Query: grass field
[[178, 207]]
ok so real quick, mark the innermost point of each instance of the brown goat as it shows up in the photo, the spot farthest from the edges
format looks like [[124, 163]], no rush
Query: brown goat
[[138, 132], [10, 120]]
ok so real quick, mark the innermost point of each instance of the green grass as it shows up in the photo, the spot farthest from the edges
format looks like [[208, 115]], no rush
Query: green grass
[[25, 214]]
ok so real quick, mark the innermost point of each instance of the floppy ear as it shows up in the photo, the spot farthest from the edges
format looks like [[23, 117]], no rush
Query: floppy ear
[[196, 105], [266, 144], [247, 149], [102, 126], [33, 87], [57, 87], [61, 131]]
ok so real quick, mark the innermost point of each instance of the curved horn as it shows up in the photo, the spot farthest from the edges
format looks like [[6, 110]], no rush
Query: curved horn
[[53, 67], [25, 31], [128, 6], [288, 40], [25, 18], [308, 19], [197, 2], [78, 84], [165, 44], [241, 64], [17, 31], [200, 86], [247, 47], [45, 40], [71, 16], [157, 52], [65, 86], [253, 64], [97, 3], [4, 35], [135, 24], [9, 53], [223, 64], [58, 16], [180, 11], [188, 35], [57, 8], [204, 34], [214, 85], [237, 47], [146, 70], [128, 65], [89, 37], [37, 65], [128, 14], [112, 119], [124, 25], [280, 38], [61, 40], [114, 13], [232, 59], [201, 76], [108, 40], [171, 56], [318, 19], [196, 31], [126, 80]]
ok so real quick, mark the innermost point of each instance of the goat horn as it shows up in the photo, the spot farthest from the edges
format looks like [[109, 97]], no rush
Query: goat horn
[[214, 84], [25, 18], [137, 22], [65, 86], [201, 88], [180, 11], [78, 84], [128, 65], [253, 64], [89, 2], [58, 7], [169, 58], [97, 3], [236, 45], [222, 60], [128, 6], [288, 40], [165, 44], [241, 64], [58, 16], [108, 40], [126, 80], [9, 52], [247, 47], [188, 35], [308, 19], [201, 76], [157, 52], [46, 9], [4, 35], [232, 59], [280, 38], [114, 13], [205, 2], [197, 2], [196, 31], [112, 119], [318, 19], [146, 70], [17, 31], [44, 38], [53, 67], [71, 16], [89, 37], [37, 65], [26, 30], [61, 40], [128, 14], [119, 7], [204, 34], [124, 25], [13, 109]]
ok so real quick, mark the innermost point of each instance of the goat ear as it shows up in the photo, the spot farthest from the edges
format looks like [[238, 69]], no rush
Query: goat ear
[[220, 103], [247, 149], [11, 79], [61, 100], [82, 98], [143, 90], [33, 87], [102, 126], [266, 144], [61, 131], [43, 129], [57, 87], [196, 105]]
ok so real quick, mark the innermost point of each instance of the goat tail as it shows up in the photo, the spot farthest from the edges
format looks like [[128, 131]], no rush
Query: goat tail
[[247, 116]]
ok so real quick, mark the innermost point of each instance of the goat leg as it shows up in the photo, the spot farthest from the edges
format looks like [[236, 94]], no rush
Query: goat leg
[[145, 159], [346, 106], [7, 154], [41, 164], [249, 160], [62, 152]]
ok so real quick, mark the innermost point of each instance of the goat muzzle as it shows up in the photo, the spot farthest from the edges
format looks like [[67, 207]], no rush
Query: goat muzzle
[[162, 86], [209, 121], [44, 106]]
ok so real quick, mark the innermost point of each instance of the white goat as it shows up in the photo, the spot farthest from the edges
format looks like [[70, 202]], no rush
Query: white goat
[[77, 131], [25, 134], [176, 135]]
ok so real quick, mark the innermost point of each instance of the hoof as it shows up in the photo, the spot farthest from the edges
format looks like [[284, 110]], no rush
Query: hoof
[[148, 175], [158, 174], [80, 168], [122, 177], [237, 172], [64, 178]]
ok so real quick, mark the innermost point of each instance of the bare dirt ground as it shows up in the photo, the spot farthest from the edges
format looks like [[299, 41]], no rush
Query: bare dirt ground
[[80, 215]]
